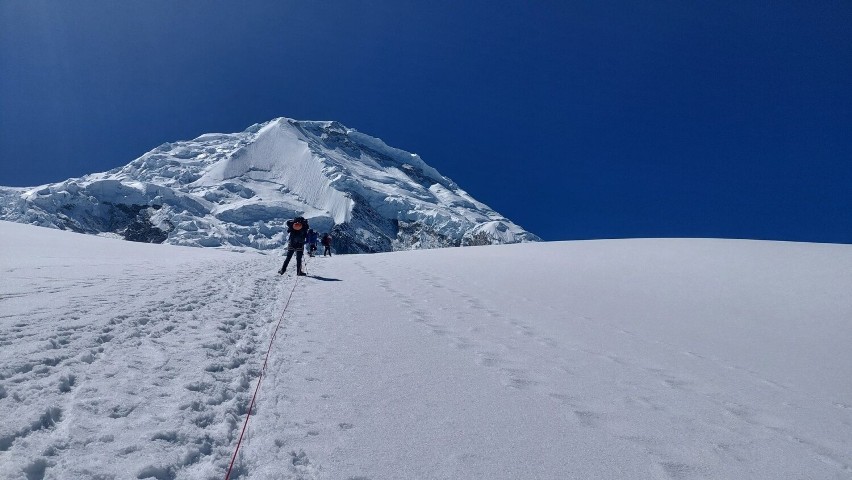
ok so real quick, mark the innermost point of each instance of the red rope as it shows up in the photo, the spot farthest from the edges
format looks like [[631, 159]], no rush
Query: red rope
[[262, 371]]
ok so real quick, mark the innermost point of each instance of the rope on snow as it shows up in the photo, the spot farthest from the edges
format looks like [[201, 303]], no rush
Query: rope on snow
[[262, 373]]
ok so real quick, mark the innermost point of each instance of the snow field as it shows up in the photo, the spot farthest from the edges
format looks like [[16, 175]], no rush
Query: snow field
[[575, 360], [120, 362], [643, 359]]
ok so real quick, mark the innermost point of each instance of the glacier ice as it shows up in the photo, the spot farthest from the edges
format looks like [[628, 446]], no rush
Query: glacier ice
[[237, 190]]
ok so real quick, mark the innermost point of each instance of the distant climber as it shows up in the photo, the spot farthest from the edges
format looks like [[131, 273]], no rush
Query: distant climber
[[297, 228], [313, 237], [326, 242]]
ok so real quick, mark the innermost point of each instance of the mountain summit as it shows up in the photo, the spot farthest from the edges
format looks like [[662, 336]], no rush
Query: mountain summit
[[238, 190]]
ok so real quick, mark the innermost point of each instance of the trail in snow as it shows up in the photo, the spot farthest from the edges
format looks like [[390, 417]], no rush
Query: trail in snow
[[128, 362], [656, 359]]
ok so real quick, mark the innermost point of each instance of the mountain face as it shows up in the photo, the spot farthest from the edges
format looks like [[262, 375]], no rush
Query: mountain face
[[239, 190]]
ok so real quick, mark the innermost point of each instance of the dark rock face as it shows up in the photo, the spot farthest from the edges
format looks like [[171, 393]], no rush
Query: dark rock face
[[142, 230], [360, 234], [133, 222]]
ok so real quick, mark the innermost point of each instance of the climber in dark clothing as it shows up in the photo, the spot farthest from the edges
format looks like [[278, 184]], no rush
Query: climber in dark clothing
[[313, 237], [326, 242], [298, 229]]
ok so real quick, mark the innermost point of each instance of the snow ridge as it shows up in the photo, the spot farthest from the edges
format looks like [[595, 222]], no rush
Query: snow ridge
[[239, 189]]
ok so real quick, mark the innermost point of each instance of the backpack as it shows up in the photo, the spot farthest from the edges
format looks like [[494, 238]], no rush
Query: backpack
[[301, 220]]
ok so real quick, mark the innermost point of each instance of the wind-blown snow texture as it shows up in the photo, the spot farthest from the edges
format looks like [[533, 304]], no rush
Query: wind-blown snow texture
[[639, 359], [239, 189]]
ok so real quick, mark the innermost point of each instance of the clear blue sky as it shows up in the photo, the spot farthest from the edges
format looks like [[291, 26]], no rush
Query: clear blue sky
[[592, 119]]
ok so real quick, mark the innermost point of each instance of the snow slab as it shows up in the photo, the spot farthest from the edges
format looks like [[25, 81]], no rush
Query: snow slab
[[618, 359]]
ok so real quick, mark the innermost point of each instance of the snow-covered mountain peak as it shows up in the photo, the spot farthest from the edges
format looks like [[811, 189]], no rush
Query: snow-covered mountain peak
[[238, 190]]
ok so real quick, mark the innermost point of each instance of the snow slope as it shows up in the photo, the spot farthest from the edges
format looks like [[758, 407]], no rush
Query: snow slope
[[640, 359], [239, 189]]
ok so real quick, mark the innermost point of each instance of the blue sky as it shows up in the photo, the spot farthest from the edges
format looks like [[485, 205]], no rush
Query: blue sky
[[575, 119]]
